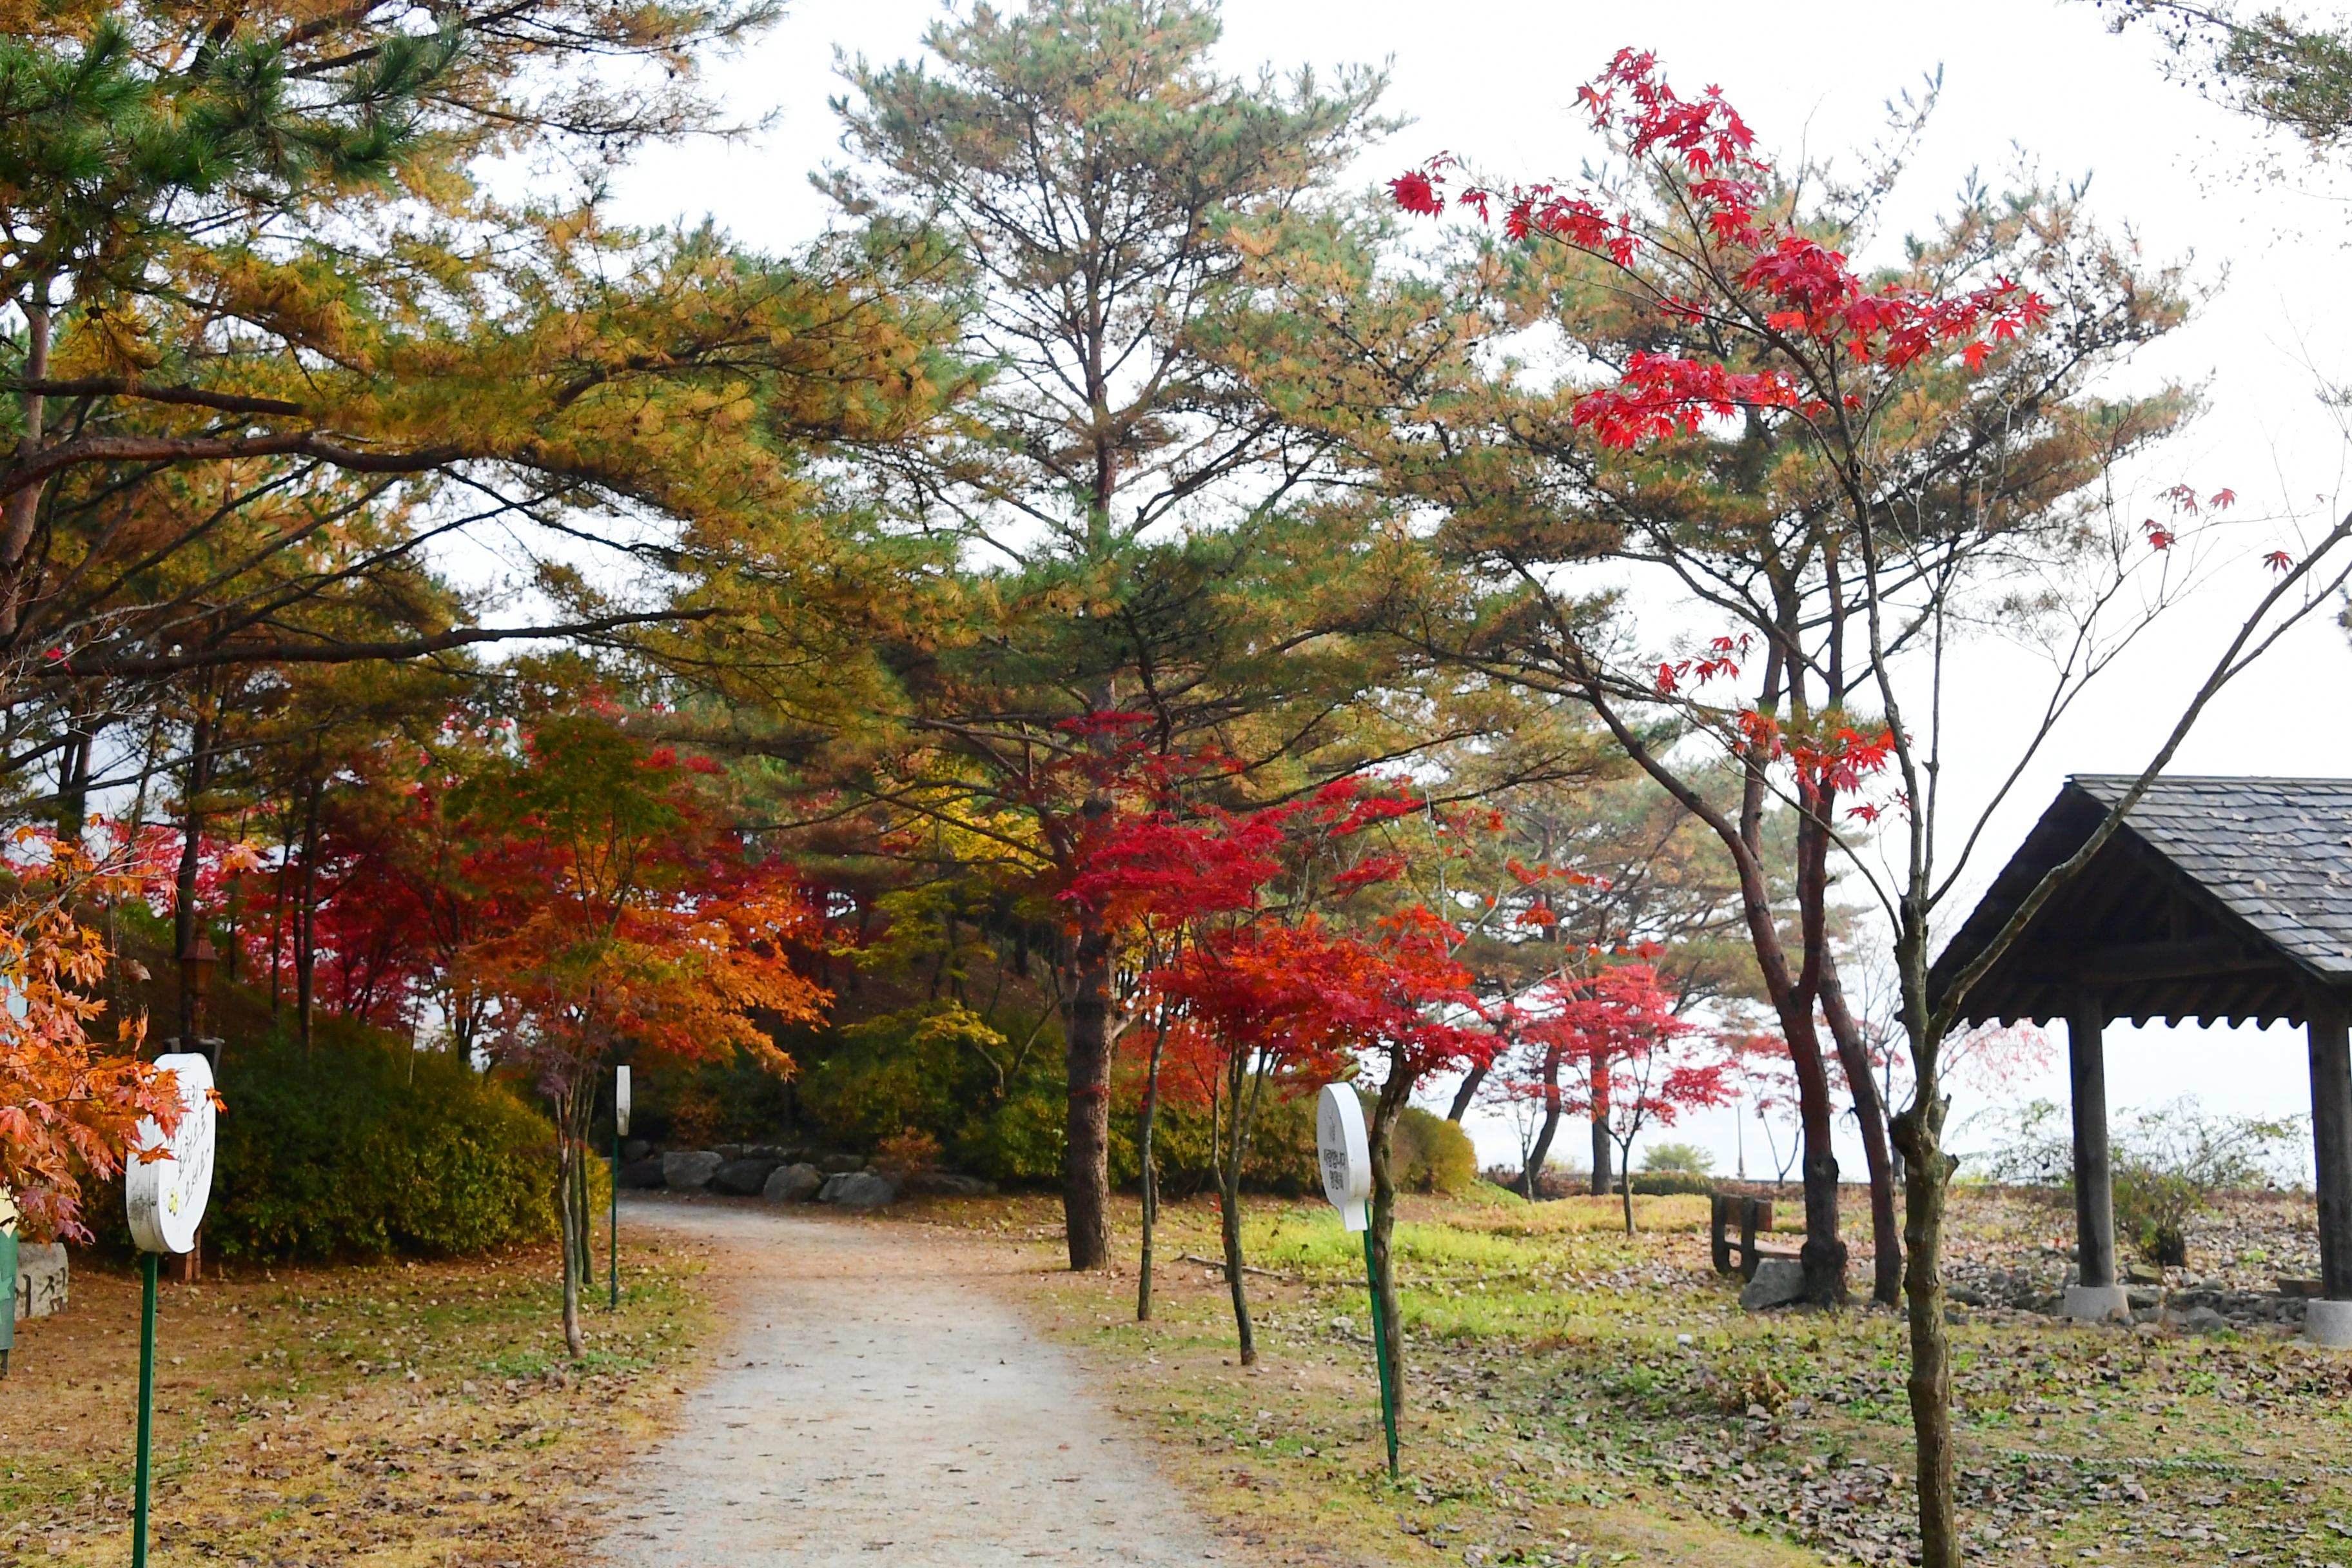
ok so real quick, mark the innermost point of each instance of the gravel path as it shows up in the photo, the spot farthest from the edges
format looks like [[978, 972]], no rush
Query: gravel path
[[876, 1403]]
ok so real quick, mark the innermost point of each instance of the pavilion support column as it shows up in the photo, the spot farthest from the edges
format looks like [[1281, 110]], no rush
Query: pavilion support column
[[2328, 1321], [2097, 1295]]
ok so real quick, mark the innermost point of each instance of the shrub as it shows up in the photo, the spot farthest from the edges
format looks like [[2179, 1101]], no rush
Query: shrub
[[906, 1152], [365, 1152], [2167, 1164], [1660, 1183], [1433, 1155], [1686, 1158]]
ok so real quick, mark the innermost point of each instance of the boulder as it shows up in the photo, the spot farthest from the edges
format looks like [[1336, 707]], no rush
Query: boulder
[[949, 1184], [857, 1190], [729, 1151], [40, 1280], [642, 1172], [2199, 1321], [775, 1151], [839, 1165], [635, 1149], [793, 1184], [743, 1178], [689, 1170], [1778, 1282]]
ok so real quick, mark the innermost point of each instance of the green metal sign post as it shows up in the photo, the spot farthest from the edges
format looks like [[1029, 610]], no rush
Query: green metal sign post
[[7, 1293], [1345, 1153], [163, 1196], [1381, 1351], [147, 1261]]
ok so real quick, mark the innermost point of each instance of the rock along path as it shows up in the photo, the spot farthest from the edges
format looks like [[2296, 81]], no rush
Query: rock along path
[[876, 1402]]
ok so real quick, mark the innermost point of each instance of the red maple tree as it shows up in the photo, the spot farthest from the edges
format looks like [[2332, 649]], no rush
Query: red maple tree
[[1275, 972], [1610, 1046]]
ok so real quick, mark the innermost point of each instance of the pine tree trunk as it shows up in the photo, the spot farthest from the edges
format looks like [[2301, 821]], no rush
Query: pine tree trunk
[[21, 511], [1870, 1111], [1823, 1255], [1086, 1170]]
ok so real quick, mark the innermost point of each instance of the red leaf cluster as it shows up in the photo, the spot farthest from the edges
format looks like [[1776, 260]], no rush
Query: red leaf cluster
[[1804, 293]]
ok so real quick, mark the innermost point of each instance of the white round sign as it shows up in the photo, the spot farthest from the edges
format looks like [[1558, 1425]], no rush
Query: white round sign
[[1346, 1152], [621, 1100], [167, 1197]]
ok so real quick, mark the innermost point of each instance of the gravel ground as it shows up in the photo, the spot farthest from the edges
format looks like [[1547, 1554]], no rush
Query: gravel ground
[[874, 1400]]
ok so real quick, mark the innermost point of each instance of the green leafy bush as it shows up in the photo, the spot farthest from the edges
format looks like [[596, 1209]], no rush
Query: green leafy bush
[[1688, 1158], [2169, 1163], [1660, 1184], [365, 1152], [1433, 1155]]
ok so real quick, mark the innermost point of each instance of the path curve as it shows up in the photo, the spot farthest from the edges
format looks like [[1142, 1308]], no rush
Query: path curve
[[876, 1402]]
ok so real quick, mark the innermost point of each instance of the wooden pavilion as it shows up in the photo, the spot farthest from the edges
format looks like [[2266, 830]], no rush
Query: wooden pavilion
[[2217, 900]]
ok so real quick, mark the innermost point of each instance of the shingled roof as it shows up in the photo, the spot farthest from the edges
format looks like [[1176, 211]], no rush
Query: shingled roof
[[2217, 899]]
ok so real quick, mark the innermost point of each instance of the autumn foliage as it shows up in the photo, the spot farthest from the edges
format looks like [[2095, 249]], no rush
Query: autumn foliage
[[69, 1104]]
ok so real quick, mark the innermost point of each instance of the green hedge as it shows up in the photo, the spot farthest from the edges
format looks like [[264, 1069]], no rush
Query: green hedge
[[365, 1152], [1662, 1184]]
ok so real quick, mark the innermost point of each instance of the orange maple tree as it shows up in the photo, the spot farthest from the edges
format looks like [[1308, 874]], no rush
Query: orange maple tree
[[70, 1104], [627, 915]]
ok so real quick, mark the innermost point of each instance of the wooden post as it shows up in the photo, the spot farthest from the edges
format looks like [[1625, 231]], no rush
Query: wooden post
[[2331, 1147], [2096, 1295]]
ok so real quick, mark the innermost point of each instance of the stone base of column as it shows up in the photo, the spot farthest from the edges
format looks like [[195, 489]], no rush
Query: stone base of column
[[2098, 1303], [2327, 1323]]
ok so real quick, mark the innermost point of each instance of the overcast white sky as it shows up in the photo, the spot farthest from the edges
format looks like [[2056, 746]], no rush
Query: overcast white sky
[[1495, 80]]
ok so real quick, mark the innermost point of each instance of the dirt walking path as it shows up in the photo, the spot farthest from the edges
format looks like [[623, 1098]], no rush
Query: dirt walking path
[[875, 1402]]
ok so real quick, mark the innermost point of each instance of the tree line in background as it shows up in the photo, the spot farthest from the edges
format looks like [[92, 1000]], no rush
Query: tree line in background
[[1120, 631]]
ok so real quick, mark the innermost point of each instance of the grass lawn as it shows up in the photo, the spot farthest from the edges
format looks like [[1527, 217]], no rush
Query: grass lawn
[[391, 1414], [1579, 1396]]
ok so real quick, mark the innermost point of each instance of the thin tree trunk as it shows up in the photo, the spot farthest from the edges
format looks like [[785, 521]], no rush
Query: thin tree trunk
[[1150, 1175], [1926, 1177], [1387, 1107], [1601, 1148], [1626, 1186], [585, 1241], [278, 920], [568, 1216], [1532, 1177], [306, 911], [1471, 1081], [73, 778], [183, 886], [1086, 1170], [1229, 1193]]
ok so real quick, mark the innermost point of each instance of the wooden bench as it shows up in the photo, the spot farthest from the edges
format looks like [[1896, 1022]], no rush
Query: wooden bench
[[1732, 1212]]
